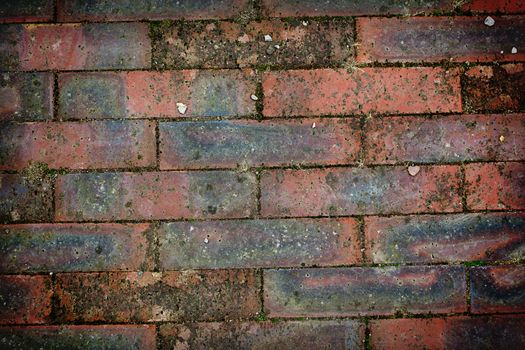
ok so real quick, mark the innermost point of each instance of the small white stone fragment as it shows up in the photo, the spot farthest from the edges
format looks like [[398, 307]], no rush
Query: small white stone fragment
[[514, 50], [501, 138], [277, 47], [489, 21], [305, 23], [268, 37], [413, 170], [206, 240], [254, 97], [181, 107], [313, 126], [501, 52]]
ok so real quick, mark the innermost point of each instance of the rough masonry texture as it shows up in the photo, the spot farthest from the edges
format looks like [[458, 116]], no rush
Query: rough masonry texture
[[262, 174]]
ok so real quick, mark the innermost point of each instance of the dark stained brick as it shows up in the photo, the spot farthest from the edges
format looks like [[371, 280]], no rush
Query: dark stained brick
[[258, 243], [155, 195], [26, 11], [151, 296], [492, 6], [26, 96], [497, 289], [431, 39], [329, 292], [349, 191], [454, 138], [132, 337], [228, 144], [290, 335], [74, 247], [445, 238], [294, 43], [365, 90], [494, 88]]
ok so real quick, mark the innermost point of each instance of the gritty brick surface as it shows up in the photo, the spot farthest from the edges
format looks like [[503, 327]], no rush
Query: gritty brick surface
[[26, 11], [500, 6]]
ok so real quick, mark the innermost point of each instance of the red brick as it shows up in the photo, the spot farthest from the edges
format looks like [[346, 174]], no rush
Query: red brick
[[453, 138], [495, 332], [445, 238], [497, 289], [101, 10], [97, 144], [331, 292], [290, 335], [494, 88], [74, 247], [228, 144], [25, 299], [350, 191], [431, 39], [495, 186], [295, 43], [290, 8], [501, 6], [26, 11], [366, 90], [132, 337], [25, 198], [138, 94], [151, 296], [75, 46], [155, 195], [258, 243], [26, 96]]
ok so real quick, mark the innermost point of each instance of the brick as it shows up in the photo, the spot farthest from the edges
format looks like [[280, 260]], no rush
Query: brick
[[141, 94], [500, 6], [75, 46], [445, 238], [91, 145], [101, 10], [74, 247], [497, 289], [228, 144], [25, 198], [432, 39], [25, 299], [258, 243], [155, 195], [351, 191], [497, 88], [292, 335], [132, 337], [495, 186], [331, 292], [455, 138], [295, 43], [290, 8], [26, 96], [367, 90], [151, 296], [26, 11], [495, 332]]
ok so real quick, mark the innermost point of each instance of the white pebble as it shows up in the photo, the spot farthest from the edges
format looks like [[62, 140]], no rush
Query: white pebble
[[206, 240], [413, 170], [313, 126], [181, 107], [254, 97], [514, 50], [489, 21], [268, 37], [305, 23]]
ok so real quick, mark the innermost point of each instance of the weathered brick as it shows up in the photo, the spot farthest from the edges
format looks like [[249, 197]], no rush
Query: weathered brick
[[431, 39], [25, 299], [328, 292], [497, 289], [445, 238], [228, 144], [291, 335], [453, 138], [294, 43], [63, 247], [494, 88], [495, 332], [206, 93], [102, 10], [366, 90], [132, 337], [155, 195], [25, 198], [495, 186], [290, 8], [349, 191], [500, 6], [91, 145], [26, 11], [150, 296], [258, 243], [26, 96], [75, 46]]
